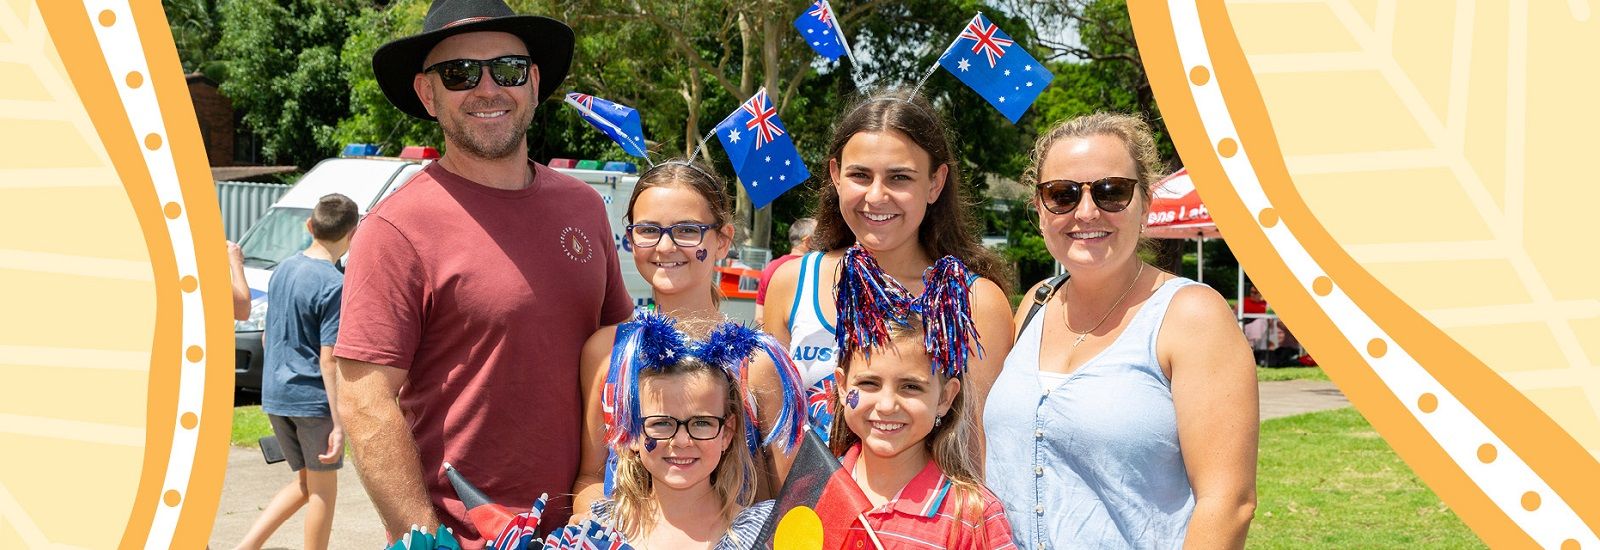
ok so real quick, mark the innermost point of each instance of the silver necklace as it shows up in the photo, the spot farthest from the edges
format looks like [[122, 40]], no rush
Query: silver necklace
[[1085, 334]]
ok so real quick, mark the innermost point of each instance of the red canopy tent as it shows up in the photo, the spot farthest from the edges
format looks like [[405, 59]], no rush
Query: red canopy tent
[[1177, 213]]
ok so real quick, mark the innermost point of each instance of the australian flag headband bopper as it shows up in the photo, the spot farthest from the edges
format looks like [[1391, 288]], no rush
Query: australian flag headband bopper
[[869, 299], [656, 343]]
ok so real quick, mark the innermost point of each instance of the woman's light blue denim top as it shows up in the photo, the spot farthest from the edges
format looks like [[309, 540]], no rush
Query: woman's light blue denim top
[[1093, 462]]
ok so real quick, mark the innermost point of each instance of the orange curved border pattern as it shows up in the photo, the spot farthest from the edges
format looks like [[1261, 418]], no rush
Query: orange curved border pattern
[[1547, 449], [75, 40]]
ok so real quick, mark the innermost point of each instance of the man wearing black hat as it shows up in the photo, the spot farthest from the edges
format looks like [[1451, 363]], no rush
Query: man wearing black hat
[[471, 290]]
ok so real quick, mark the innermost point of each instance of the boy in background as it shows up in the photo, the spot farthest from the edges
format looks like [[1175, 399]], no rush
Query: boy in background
[[297, 379]]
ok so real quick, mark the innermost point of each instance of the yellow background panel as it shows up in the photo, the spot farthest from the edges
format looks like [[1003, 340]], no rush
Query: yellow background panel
[[1453, 284], [21, 84], [95, 316], [1368, 116], [45, 144], [1424, 205], [97, 493], [1484, 127], [1368, 10], [1588, 332], [62, 392], [1535, 350], [1424, 53], [1289, 28], [1573, 409], [9, 538], [23, 10], [94, 222], [1560, 147]]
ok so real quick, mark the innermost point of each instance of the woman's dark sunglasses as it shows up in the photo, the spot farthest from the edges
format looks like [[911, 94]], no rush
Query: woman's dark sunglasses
[[1112, 194], [701, 428], [464, 74]]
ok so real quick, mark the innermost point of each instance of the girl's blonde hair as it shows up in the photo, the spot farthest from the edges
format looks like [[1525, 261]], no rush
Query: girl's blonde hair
[[634, 507], [950, 442]]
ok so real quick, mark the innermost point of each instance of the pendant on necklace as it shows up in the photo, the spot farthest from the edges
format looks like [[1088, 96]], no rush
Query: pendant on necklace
[[1079, 340]]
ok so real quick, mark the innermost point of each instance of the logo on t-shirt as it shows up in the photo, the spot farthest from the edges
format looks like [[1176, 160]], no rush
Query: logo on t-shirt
[[576, 244]]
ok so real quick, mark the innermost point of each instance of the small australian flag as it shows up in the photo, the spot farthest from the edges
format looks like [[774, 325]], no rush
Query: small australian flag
[[617, 121], [761, 151], [820, 30], [992, 64]]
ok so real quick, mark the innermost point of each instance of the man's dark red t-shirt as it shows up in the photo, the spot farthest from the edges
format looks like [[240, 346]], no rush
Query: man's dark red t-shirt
[[485, 297]]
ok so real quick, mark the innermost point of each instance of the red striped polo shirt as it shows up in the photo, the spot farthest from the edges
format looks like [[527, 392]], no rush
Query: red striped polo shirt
[[924, 515]]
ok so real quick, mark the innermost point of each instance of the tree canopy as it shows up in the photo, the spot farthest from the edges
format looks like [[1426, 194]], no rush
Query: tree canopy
[[300, 73]]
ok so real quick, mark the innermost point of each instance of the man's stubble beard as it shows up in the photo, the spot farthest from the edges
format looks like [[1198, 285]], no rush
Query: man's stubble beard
[[487, 147]]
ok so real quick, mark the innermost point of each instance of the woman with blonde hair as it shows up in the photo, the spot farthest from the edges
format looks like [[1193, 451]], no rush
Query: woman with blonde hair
[[1126, 415]]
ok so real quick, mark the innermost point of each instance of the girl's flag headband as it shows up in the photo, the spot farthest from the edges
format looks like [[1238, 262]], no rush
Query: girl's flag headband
[[869, 299], [617, 121], [656, 343]]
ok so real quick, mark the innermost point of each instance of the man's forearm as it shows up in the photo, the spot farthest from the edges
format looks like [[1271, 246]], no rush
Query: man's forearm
[[386, 458]]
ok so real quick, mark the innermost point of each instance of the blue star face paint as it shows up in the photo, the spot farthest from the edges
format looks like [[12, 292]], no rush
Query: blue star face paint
[[700, 254], [853, 398], [649, 444]]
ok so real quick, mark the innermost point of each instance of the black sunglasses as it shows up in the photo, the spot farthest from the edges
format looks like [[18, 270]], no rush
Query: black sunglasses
[[464, 74], [1111, 194], [701, 428]]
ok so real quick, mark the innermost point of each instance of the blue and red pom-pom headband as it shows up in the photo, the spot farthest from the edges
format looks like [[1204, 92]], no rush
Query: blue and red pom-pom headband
[[868, 299], [656, 343]]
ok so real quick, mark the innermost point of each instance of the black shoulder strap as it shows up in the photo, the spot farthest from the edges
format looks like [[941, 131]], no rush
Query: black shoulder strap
[[1042, 296]]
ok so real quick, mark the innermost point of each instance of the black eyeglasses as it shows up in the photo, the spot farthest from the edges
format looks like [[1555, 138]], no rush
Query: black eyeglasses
[[464, 74], [662, 427], [1111, 194], [647, 235]]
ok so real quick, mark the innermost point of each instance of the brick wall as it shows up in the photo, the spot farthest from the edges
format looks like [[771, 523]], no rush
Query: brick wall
[[215, 114]]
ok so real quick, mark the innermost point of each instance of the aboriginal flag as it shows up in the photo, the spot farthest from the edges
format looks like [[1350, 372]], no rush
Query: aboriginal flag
[[817, 481]]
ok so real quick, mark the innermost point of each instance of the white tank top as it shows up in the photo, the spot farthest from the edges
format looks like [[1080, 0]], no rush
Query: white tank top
[[812, 344]]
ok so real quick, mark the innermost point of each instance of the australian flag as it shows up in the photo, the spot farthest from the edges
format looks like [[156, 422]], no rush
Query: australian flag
[[993, 65], [761, 151], [617, 121], [820, 29]]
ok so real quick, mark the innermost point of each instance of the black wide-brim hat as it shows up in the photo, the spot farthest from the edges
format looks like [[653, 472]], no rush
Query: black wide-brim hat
[[397, 63]]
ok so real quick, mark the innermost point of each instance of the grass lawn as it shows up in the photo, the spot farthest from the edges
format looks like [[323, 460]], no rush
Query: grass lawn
[[1290, 373], [1326, 480], [249, 426]]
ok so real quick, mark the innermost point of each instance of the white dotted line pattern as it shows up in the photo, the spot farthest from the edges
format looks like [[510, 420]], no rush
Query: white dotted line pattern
[[112, 22], [1505, 478]]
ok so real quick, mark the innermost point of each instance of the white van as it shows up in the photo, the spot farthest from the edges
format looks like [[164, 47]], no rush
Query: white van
[[281, 231]]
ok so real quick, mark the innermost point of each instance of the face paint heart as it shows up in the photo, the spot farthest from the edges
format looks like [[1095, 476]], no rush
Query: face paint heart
[[649, 444], [853, 398], [700, 254]]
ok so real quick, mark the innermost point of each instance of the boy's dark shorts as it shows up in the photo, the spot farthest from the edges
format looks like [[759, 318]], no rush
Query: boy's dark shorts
[[302, 439]]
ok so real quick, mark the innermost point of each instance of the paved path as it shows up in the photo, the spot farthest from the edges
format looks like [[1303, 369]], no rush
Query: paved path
[[250, 482], [1292, 397]]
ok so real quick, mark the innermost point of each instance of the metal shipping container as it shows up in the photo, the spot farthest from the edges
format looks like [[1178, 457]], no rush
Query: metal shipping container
[[244, 202]]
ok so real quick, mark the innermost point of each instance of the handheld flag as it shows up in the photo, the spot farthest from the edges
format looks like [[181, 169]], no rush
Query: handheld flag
[[817, 481], [821, 31], [761, 151], [617, 121], [992, 64]]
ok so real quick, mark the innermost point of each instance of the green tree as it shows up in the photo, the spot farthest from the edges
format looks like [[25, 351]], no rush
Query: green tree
[[284, 73], [195, 33]]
